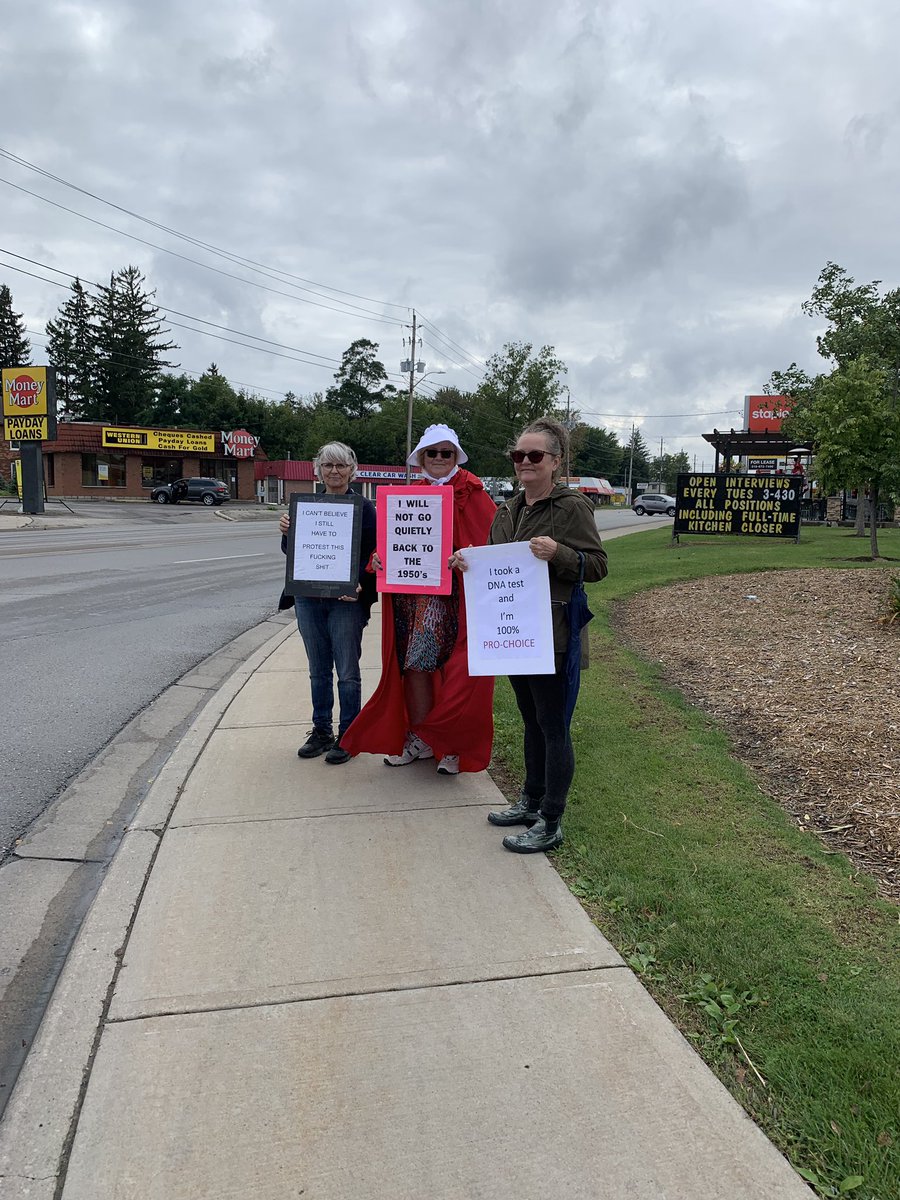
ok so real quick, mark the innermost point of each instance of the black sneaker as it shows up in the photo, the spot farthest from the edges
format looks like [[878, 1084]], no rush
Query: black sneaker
[[317, 743], [337, 754]]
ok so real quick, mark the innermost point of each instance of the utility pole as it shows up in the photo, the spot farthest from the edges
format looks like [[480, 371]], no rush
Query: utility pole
[[412, 385], [660, 464], [569, 435], [630, 465]]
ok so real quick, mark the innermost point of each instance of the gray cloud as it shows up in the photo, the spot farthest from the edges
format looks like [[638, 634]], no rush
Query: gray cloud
[[652, 188]]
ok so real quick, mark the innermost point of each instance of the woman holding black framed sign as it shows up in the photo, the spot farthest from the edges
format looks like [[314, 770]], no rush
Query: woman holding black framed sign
[[332, 627]]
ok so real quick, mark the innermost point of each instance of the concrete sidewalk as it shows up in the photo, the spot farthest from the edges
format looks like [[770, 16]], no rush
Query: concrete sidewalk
[[333, 982]]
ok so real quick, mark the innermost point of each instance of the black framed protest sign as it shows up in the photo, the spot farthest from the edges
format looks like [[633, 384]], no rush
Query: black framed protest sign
[[323, 545]]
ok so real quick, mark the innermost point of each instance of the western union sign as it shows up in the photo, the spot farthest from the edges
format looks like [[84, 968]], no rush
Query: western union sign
[[180, 441]]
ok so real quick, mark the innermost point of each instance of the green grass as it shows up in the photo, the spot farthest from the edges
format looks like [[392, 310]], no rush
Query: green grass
[[771, 954]]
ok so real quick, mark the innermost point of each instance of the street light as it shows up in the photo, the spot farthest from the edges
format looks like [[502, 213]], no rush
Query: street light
[[413, 384]]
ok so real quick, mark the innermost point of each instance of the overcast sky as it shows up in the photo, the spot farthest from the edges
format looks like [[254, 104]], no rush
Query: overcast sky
[[651, 186]]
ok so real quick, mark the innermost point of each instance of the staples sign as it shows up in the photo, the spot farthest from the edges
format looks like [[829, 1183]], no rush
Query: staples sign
[[239, 443], [765, 413]]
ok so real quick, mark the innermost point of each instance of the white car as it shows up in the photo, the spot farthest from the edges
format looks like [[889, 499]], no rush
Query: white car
[[654, 502]]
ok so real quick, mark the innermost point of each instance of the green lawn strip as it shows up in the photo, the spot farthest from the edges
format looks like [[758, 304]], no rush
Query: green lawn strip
[[770, 953]]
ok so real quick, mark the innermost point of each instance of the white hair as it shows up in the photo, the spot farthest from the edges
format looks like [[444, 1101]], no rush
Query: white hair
[[334, 452]]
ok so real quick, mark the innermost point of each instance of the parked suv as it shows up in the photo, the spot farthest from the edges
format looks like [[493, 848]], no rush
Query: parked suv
[[654, 502], [206, 491]]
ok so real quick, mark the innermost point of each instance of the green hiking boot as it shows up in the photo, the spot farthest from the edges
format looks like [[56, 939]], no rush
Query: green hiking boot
[[545, 834], [525, 811]]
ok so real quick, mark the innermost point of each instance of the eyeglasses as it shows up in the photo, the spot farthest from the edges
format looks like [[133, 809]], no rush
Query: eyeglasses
[[533, 456], [439, 453], [336, 466]]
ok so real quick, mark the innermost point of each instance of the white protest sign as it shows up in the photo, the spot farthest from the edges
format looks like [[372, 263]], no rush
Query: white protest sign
[[323, 542], [415, 529], [508, 615]]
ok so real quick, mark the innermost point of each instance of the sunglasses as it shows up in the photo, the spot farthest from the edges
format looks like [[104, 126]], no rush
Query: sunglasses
[[439, 453], [533, 456]]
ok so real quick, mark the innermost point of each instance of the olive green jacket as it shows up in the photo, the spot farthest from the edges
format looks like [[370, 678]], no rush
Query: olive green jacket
[[567, 517]]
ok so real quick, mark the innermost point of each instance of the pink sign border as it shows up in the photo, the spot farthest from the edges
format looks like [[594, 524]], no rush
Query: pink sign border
[[446, 584]]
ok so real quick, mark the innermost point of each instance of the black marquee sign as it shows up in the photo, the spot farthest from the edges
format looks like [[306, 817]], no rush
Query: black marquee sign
[[754, 505]]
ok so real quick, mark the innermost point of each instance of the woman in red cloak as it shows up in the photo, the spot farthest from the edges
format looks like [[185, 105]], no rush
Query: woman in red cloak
[[426, 703]]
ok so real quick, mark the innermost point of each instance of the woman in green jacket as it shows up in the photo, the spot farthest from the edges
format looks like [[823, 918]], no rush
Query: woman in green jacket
[[558, 524]]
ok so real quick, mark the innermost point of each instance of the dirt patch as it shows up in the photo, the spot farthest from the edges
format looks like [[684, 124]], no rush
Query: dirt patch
[[799, 670]]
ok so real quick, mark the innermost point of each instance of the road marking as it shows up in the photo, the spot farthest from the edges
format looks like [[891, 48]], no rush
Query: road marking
[[179, 562]]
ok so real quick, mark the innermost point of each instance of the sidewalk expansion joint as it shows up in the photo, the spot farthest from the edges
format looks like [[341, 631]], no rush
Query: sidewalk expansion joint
[[319, 816], [59, 858], [381, 991]]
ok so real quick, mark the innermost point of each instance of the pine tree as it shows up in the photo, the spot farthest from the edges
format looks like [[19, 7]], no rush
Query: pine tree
[[71, 349], [15, 348], [129, 348]]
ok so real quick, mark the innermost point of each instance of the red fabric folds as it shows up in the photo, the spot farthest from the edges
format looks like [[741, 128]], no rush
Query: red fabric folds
[[461, 720]]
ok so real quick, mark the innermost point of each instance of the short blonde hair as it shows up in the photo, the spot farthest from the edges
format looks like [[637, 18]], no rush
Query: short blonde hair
[[335, 452]]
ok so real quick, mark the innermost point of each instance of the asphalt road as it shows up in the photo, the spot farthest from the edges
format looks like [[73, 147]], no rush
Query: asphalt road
[[97, 621]]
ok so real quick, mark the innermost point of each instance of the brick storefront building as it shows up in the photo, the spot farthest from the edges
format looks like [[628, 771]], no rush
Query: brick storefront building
[[79, 466]]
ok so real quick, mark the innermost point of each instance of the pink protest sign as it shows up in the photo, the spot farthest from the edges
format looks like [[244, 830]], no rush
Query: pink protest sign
[[415, 539]]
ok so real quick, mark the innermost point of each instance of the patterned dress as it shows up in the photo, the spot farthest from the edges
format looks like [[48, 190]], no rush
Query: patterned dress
[[425, 629]]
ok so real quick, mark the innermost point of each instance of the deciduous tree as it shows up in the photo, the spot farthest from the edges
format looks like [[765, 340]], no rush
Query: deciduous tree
[[361, 381], [851, 413]]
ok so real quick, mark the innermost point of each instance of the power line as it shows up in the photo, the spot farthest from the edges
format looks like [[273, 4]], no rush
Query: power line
[[212, 249], [207, 267], [253, 387], [327, 363], [654, 416], [473, 358], [443, 354]]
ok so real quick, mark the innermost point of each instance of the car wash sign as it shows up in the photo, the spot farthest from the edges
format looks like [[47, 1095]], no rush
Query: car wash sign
[[239, 443], [29, 404], [757, 505]]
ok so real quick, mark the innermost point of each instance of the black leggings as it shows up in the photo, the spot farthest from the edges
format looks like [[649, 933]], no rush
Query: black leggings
[[549, 757]]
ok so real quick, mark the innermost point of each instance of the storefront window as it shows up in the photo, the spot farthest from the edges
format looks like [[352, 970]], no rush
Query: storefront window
[[103, 470], [155, 471]]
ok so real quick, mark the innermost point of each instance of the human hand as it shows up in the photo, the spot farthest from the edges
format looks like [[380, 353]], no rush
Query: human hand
[[457, 562], [376, 561], [543, 548], [284, 523]]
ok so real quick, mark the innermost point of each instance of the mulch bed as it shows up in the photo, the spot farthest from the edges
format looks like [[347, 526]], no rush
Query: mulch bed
[[805, 678]]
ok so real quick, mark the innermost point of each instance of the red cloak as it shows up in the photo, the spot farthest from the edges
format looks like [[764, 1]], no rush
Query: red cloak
[[461, 720]]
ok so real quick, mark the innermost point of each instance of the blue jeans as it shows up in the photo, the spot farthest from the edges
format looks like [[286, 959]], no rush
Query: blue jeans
[[332, 634]]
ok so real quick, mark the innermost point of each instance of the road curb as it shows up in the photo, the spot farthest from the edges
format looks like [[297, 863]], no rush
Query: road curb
[[41, 1115]]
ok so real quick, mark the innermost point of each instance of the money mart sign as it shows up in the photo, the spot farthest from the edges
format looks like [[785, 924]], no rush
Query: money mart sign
[[29, 404]]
